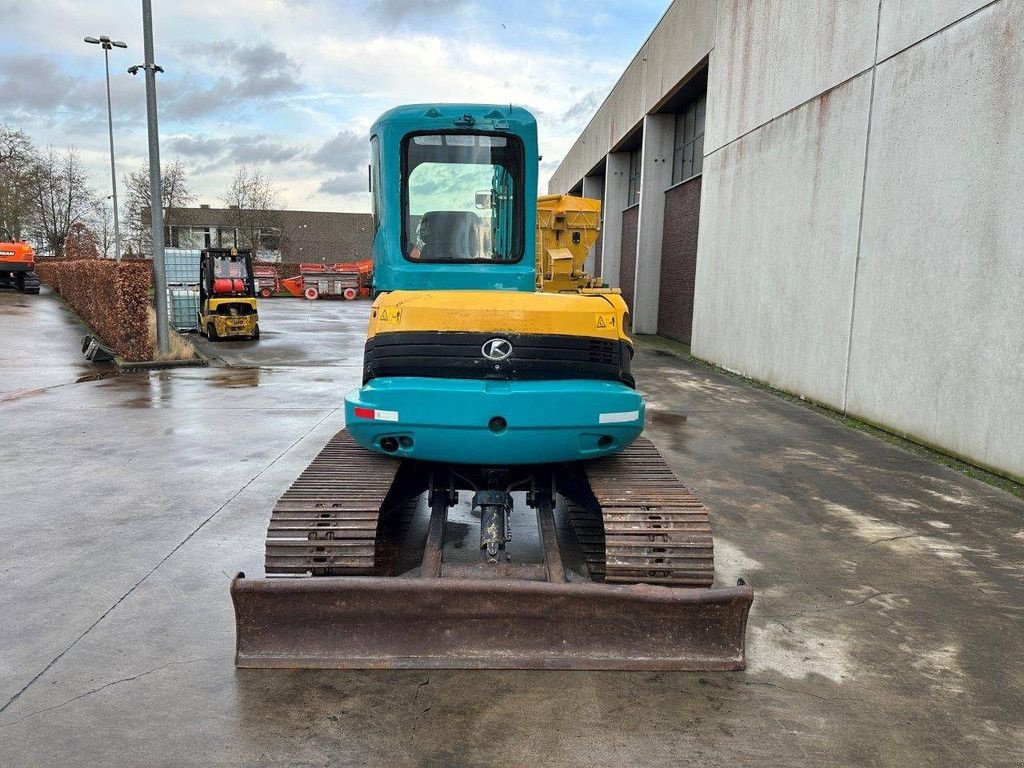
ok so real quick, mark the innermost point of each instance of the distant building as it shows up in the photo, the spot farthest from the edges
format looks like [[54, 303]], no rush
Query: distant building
[[287, 236]]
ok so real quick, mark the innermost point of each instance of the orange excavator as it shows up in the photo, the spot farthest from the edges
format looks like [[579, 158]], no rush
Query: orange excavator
[[17, 265]]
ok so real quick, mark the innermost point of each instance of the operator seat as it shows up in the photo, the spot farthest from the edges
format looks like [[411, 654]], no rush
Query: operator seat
[[445, 235]]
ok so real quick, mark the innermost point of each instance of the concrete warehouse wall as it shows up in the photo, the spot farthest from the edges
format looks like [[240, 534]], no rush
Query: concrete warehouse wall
[[860, 237], [778, 246], [937, 347]]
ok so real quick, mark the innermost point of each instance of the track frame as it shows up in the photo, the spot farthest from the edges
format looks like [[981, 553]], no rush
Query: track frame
[[346, 607]]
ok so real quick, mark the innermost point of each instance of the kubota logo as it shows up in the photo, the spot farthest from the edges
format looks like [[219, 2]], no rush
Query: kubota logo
[[497, 349]]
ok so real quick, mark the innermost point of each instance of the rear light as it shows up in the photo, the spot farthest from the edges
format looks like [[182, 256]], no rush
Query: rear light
[[375, 414]]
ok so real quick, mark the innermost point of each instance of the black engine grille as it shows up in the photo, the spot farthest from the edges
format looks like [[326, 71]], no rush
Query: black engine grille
[[534, 357]]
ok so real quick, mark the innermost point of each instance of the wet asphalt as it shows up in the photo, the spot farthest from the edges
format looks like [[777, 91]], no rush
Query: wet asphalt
[[886, 628]]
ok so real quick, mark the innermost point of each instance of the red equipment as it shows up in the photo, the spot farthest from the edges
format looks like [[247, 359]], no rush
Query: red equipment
[[347, 280], [267, 282]]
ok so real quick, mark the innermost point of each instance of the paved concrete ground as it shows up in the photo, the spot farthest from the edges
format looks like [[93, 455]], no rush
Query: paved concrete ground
[[886, 630]]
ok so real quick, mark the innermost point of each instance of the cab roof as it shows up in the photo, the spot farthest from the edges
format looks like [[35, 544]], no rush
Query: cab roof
[[498, 117]]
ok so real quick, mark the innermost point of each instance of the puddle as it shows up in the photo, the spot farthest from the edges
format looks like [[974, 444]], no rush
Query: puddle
[[666, 418], [24, 394], [27, 393], [97, 376], [236, 378]]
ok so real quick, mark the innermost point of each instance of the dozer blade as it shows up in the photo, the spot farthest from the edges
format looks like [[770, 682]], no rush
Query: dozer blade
[[363, 622]]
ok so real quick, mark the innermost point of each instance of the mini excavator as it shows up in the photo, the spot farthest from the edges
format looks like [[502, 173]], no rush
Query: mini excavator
[[485, 404]]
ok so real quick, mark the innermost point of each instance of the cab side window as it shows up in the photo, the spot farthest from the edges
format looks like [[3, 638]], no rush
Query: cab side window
[[375, 181]]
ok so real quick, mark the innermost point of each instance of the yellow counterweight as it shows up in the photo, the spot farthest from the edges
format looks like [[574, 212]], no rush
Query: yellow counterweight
[[596, 314]]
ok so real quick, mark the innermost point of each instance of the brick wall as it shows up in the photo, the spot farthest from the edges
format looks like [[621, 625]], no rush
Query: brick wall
[[679, 260], [627, 265]]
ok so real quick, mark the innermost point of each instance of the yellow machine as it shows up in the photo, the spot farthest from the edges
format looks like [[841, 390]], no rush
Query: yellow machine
[[227, 295], [567, 227]]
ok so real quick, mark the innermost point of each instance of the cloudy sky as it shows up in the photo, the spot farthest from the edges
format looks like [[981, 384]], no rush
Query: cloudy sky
[[292, 86]]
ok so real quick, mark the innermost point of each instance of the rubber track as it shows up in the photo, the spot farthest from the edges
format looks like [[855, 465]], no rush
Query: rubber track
[[29, 283], [652, 529], [326, 522]]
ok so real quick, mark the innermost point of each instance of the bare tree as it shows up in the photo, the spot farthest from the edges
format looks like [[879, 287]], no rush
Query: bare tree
[[254, 200], [101, 223], [176, 195], [17, 161], [135, 222], [60, 197]]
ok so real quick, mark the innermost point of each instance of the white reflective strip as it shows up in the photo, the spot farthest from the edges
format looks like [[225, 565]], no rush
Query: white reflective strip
[[385, 415], [618, 418]]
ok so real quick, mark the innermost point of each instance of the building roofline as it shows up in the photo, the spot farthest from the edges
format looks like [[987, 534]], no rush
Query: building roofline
[[275, 210], [622, 75]]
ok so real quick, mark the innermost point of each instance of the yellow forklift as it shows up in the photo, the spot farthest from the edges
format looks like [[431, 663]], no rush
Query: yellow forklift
[[227, 295]]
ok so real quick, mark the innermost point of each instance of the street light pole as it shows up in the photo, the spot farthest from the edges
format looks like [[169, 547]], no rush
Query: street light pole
[[107, 44], [156, 209]]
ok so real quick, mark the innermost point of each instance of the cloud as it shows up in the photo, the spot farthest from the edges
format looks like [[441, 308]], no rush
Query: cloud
[[347, 151], [394, 11], [242, 150], [292, 86], [255, 74], [548, 167], [579, 113], [344, 184], [191, 146], [30, 84], [261, 59], [250, 149]]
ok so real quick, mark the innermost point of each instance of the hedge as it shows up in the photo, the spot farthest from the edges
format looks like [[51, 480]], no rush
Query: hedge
[[113, 299]]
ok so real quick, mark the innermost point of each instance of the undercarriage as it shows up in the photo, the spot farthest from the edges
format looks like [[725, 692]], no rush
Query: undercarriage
[[22, 280], [377, 562]]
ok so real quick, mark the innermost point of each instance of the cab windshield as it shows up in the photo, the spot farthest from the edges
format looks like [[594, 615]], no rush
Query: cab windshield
[[462, 198], [229, 266]]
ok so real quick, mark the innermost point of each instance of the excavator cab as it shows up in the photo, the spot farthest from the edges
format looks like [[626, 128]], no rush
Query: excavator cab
[[453, 191], [227, 295], [485, 401]]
